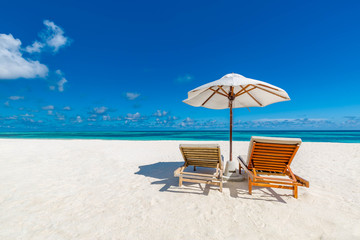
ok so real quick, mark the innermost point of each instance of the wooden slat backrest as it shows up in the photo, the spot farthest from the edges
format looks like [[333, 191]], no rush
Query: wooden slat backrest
[[272, 154], [201, 155]]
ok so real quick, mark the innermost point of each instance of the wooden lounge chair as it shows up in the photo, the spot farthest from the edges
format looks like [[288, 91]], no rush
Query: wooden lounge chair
[[272, 157], [201, 155]]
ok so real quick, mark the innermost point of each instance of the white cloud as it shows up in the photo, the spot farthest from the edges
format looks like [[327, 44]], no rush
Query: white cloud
[[35, 47], [67, 108], [78, 119], [60, 117], [136, 117], [61, 84], [106, 118], [187, 122], [92, 119], [287, 123], [13, 65], [100, 110], [7, 104], [52, 38], [49, 107], [131, 116], [16, 98], [160, 113], [57, 81], [27, 115], [132, 96], [184, 79]]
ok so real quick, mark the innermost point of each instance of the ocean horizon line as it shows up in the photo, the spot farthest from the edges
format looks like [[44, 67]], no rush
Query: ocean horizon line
[[190, 130]]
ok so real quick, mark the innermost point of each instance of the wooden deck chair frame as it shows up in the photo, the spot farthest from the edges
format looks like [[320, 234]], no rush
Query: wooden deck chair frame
[[201, 155], [272, 157]]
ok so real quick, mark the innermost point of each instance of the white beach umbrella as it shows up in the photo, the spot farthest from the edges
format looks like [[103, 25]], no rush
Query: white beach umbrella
[[235, 91]]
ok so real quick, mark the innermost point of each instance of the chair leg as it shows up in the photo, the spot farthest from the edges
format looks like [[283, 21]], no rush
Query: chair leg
[[194, 168], [250, 187], [221, 186], [295, 191], [239, 168], [180, 181]]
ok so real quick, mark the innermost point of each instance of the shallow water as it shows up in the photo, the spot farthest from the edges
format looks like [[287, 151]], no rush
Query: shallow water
[[306, 136]]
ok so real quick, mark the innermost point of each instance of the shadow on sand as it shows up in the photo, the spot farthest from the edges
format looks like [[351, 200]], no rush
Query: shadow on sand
[[163, 173]]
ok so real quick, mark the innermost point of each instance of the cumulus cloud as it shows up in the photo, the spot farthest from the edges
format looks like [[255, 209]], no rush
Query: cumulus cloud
[[61, 84], [134, 117], [52, 38], [352, 121], [132, 96], [60, 117], [57, 81], [184, 79], [11, 117], [35, 47], [100, 110], [49, 107], [27, 115], [67, 108], [14, 98], [78, 119], [106, 118], [187, 122], [160, 113], [290, 123], [92, 118], [12, 63]]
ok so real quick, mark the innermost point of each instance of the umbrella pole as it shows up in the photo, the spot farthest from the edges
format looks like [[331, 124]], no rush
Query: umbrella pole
[[231, 123], [231, 99]]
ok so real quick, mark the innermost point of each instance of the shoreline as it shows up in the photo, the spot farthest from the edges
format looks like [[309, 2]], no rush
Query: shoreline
[[192, 141]]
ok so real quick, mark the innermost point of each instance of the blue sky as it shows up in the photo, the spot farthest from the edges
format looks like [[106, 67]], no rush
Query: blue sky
[[67, 65]]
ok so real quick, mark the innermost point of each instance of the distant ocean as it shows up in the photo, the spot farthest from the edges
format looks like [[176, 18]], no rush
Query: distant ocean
[[306, 136]]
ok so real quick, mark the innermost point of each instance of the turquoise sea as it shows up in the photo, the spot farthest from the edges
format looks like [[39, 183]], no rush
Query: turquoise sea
[[306, 136]]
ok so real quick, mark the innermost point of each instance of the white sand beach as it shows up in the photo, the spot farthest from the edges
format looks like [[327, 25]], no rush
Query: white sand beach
[[97, 189]]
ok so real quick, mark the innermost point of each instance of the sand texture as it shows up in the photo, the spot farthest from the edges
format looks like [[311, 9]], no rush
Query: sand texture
[[96, 189]]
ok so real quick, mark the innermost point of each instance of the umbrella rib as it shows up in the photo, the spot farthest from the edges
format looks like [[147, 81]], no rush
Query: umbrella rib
[[227, 95], [241, 92], [216, 91], [271, 92], [236, 94], [269, 87], [252, 96], [210, 96]]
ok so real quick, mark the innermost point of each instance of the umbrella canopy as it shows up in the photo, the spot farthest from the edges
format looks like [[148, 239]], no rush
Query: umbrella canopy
[[246, 92], [235, 91]]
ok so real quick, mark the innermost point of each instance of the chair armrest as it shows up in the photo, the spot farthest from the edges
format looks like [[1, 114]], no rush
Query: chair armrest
[[242, 162], [178, 171], [222, 162], [246, 169], [304, 182]]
